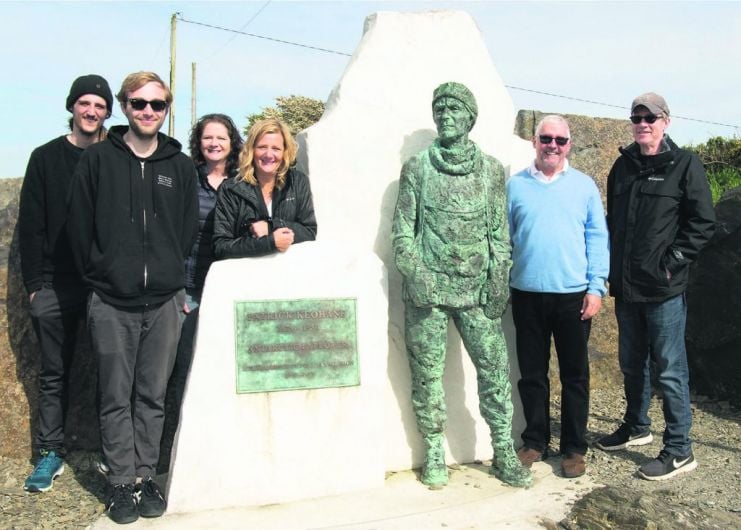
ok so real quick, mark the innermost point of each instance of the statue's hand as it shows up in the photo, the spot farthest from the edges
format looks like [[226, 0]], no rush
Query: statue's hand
[[421, 289], [495, 307]]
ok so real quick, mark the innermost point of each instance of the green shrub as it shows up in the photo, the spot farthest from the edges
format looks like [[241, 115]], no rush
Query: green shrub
[[722, 160], [723, 180], [298, 112]]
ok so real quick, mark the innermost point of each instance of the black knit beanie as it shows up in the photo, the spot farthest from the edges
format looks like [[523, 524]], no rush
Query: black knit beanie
[[90, 84]]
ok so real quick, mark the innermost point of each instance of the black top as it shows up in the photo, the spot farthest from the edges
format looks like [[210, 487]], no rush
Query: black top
[[202, 255], [133, 221], [44, 248], [239, 204], [660, 215]]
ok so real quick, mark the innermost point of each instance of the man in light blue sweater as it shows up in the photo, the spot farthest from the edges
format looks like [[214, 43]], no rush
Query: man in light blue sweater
[[560, 263]]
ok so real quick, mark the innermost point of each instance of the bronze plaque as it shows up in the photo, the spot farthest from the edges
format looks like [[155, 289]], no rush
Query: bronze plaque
[[296, 344]]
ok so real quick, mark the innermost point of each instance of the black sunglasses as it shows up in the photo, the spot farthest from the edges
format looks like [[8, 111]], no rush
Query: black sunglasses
[[140, 104], [546, 140], [648, 118]]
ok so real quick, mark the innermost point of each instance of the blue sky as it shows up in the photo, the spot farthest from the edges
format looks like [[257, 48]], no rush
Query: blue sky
[[689, 52]]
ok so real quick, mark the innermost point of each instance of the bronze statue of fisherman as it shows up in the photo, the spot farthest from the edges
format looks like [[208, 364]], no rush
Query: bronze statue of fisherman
[[451, 245]]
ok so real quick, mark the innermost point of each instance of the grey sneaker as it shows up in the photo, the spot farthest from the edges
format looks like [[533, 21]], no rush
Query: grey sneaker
[[622, 438], [667, 465], [49, 467]]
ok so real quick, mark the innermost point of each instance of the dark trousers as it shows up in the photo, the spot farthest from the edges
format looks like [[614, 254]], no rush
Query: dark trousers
[[55, 313], [537, 316], [135, 348], [179, 376]]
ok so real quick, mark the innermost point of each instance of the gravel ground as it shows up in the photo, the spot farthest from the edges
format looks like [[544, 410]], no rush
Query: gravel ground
[[708, 497]]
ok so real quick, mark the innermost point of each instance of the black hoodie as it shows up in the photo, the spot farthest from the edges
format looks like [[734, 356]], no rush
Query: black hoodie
[[131, 222]]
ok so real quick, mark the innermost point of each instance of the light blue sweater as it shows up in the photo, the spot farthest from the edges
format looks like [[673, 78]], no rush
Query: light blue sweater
[[559, 234]]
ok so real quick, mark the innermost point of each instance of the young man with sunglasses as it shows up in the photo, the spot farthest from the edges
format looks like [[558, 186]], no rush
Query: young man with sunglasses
[[660, 215], [56, 293], [560, 261], [133, 216]]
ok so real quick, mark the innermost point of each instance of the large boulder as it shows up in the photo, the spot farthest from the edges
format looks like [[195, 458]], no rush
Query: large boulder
[[19, 353], [714, 299]]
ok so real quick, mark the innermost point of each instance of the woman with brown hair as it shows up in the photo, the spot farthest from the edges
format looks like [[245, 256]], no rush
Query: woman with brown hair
[[215, 145]]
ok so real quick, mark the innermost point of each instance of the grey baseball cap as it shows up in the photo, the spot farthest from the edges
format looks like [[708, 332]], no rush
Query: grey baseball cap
[[653, 102]]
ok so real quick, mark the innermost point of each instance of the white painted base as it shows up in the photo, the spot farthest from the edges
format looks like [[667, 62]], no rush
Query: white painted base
[[263, 448]]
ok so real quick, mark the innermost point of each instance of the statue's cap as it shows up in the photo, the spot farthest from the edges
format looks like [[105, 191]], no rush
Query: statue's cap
[[459, 92]]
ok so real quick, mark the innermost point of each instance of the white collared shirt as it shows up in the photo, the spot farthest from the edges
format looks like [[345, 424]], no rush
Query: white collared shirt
[[539, 175]]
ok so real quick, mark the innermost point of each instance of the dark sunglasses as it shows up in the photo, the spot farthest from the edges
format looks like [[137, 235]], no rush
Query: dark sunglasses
[[546, 140], [648, 118], [140, 104]]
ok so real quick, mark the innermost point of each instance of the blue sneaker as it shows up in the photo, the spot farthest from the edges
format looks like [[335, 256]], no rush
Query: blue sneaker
[[49, 467]]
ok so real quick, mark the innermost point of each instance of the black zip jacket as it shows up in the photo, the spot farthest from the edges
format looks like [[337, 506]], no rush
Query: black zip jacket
[[131, 221], [44, 248], [239, 204], [660, 214], [202, 254]]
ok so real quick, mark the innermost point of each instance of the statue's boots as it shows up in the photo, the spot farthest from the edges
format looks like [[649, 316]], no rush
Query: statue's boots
[[508, 468], [434, 472]]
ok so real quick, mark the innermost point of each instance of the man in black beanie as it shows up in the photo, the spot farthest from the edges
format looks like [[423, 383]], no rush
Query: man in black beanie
[[57, 296]]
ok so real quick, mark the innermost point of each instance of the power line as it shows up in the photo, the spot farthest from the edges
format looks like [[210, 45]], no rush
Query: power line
[[326, 50], [611, 105], [253, 17], [263, 37]]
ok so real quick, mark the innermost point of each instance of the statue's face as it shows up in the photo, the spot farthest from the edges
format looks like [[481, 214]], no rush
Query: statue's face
[[451, 118]]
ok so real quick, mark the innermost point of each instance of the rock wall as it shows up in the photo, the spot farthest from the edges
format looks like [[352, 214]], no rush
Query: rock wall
[[714, 303], [19, 353]]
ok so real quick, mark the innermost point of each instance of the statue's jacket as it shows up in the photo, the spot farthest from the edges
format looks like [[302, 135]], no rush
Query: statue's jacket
[[450, 234]]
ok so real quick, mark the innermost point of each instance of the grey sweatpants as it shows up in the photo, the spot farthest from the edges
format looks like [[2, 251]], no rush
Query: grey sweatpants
[[135, 348]]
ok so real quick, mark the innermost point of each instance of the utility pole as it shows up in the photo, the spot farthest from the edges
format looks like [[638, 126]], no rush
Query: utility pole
[[171, 122], [192, 95]]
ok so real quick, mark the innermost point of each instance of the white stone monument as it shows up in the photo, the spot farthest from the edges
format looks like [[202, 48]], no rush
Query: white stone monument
[[379, 115], [242, 450]]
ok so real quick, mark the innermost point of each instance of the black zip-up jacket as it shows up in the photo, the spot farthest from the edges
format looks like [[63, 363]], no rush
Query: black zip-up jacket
[[239, 204], [202, 254], [132, 221], [660, 214], [45, 252]]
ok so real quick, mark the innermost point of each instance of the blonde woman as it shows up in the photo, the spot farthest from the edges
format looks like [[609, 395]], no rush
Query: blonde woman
[[269, 206]]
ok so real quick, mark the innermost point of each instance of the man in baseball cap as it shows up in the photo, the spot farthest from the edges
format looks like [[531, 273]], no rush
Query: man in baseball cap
[[660, 215], [56, 294]]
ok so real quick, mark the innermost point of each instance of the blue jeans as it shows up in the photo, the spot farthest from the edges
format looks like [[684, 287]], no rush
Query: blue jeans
[[656, 329]]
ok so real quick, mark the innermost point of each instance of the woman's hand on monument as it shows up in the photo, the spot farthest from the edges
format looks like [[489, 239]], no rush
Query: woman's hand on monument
[[283, 238], [259, 229]]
